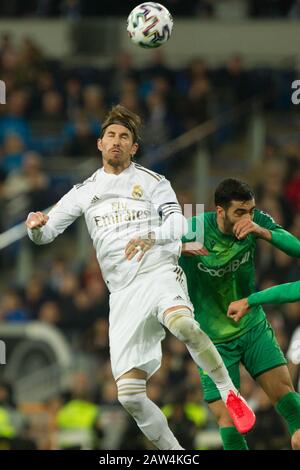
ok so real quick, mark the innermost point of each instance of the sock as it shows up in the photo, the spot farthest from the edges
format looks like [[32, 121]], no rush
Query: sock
[[203, 351], [211, 362], [149, 418], [289, 408], [232, 439]]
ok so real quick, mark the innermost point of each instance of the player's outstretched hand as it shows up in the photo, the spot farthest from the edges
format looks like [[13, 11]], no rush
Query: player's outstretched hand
[[139, 245], [193, 249], [36, 220], [237, 309]]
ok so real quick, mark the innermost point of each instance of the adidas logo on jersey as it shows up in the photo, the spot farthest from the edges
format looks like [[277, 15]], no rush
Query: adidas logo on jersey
[[178, 298], [95, 199]]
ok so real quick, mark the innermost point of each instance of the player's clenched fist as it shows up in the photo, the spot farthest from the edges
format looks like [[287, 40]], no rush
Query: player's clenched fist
[[238, 309], [36, 220]]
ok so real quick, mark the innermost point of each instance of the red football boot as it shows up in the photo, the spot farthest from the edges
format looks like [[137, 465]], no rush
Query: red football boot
[[240, 412]]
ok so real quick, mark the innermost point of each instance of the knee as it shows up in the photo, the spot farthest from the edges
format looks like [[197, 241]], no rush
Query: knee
[[132, 395], [132, 403], [295, 441], [185, 328]]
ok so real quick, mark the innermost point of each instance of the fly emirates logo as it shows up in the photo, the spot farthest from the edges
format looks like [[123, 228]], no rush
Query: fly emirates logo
[[230, 268], [120, 213]]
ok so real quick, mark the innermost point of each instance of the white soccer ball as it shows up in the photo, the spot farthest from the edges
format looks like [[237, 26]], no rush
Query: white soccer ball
[[149, 25]]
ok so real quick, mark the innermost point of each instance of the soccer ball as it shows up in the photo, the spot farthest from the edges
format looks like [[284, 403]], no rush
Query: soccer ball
[[149, 25]]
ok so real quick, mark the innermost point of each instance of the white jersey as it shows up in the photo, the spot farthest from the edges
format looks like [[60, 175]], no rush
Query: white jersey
[[116, 208]]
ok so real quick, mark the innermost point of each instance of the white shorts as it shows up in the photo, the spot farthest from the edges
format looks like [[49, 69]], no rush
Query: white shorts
[[136, 317]]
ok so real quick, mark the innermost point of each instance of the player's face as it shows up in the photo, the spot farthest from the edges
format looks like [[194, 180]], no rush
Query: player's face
[[236, 211], [117, 146]]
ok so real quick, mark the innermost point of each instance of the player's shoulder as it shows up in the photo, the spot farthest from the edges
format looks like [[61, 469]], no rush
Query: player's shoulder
[[203, 217], [265, 220], [262, 215], [148, 175], [88, 182]]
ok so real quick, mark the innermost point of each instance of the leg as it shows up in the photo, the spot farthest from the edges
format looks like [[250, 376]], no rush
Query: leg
[[150, 419], [180, 322], [231, 438], [266, 363], [278, 386]]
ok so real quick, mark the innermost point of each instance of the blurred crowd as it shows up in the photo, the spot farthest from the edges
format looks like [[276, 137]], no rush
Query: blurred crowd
[[75, 9], [53, 111]]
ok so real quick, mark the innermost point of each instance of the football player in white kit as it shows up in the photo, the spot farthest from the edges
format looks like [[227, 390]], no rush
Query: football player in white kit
[[136, 224]]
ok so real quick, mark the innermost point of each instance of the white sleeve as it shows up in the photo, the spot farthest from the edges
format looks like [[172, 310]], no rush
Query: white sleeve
[[63, 214], [174, 224]]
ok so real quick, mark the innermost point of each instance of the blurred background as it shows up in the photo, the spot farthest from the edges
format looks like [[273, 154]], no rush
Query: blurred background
[[216, 102]]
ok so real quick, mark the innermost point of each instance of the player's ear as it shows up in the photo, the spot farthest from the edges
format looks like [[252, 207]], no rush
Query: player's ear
[[99, 144], [134, 149], [219, 210]]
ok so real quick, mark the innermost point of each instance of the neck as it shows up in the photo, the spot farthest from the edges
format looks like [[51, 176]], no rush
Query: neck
[[115, 169]]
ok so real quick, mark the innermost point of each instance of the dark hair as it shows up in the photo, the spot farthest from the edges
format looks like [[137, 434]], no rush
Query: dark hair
[[121, 115], [232, 189]]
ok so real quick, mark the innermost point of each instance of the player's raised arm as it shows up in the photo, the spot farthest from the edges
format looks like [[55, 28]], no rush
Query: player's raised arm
[[286, 242], [36, 220], [174, 225], [172, 229], [276, 235], [43, 228]]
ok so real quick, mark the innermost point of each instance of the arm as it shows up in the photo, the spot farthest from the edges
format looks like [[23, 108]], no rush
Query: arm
[[267, 229], [193, 241], [264, 227], [261, 225], [172, 229], [289, 292], [174, 225], [42, 228], [246, 225], [193, 249], [286, 242]]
